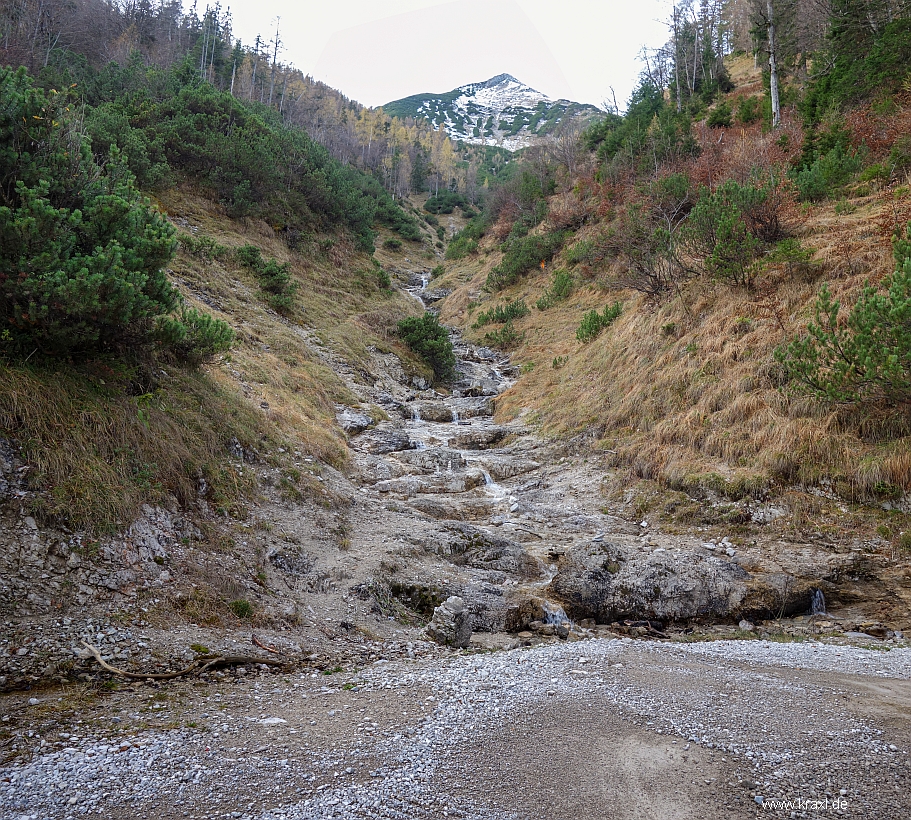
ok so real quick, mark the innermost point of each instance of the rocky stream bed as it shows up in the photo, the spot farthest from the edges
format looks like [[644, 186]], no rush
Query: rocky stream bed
[[570, 666]]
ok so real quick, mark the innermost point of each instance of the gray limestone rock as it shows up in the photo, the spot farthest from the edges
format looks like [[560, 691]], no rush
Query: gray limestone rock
[[451, 624]]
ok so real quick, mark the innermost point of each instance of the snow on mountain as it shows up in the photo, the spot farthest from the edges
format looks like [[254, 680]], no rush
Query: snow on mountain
[[501, 111]]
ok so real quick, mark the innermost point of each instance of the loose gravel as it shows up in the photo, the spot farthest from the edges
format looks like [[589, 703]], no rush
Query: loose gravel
[[783, 721]]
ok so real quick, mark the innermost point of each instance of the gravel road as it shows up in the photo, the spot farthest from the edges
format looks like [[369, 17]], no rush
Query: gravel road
[[593, 729]]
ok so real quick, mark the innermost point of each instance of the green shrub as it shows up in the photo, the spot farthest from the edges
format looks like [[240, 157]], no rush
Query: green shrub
[[793, 255], [581, 251], [503, 313], [445, 202], [727, 228], [202, 247], [430, 340], [274, 277], [392, 244], [900, 156], [867, 358], [439, 270], [561, 289], [193, 336], [466, 240], [720, 116], [249, 255], [82, 253], [241, 608], [593, 322], [827, 174], [523, 254], [504, 338], [749, 110]]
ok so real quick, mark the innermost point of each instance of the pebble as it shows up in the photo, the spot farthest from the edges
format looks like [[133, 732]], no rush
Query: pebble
[[475, 696]]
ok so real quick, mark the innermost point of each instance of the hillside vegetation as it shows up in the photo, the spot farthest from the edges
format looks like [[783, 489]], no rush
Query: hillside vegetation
[[715, 309], [145, 342]]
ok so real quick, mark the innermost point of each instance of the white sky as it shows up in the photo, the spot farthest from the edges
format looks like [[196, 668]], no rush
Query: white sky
[[375, 51]]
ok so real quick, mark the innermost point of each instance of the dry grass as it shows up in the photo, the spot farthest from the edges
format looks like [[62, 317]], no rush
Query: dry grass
[[686, 393], [102, 438]]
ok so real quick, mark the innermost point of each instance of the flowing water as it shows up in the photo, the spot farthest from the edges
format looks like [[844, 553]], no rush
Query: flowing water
[[465, 460]]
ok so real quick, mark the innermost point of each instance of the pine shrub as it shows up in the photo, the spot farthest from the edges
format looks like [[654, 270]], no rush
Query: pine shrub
[[593, 322], [868, 357], [82, 253], [430, 340]]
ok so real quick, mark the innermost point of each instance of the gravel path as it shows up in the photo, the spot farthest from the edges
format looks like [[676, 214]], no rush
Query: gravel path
[[596, 729]]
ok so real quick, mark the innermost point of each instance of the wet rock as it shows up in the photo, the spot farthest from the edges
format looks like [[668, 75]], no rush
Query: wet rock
[[437, 483], [381, 441], [431, 411], [474, 547], [478, 439], [481, 387], [443, 509], [470, 408], [353, 421], [431, 296], [503, 467], [874, 629], [433, 459], [451, 624]]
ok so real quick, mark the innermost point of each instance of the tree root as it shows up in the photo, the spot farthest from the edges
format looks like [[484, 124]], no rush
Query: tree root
[[198, 667]]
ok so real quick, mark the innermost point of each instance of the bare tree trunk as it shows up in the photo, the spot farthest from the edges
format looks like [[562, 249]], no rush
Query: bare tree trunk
[[676, 63], [773, 67]]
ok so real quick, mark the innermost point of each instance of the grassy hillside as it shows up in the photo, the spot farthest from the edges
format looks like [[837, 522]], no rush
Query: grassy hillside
[[681, 394], [102, 437]]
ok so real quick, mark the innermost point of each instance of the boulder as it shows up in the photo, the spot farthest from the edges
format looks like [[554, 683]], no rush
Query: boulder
[[451, 624], [430, 410], [352, 421], [610, 583], [478, 439], [433, 459], [505, 466], [379, 442], [460, 482]]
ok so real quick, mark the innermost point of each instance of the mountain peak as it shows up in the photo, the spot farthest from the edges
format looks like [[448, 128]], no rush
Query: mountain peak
[[500, 111], [500, 79]]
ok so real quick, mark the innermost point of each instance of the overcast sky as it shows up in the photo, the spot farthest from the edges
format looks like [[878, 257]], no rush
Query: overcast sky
[[375, 51]]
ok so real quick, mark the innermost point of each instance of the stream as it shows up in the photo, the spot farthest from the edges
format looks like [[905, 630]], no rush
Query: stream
[[443, 455]]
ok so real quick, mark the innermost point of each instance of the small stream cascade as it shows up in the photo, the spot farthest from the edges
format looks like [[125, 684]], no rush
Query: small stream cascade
[[818, 603], [460, 427]]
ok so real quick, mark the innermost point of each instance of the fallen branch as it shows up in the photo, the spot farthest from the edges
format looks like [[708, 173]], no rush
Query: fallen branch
[[261, 645], [198, 666]]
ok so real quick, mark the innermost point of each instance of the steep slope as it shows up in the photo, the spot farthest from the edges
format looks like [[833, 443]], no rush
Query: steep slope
[[501, 111]]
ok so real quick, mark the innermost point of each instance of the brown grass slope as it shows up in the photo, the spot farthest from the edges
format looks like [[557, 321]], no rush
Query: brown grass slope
[[686, 393], [101, 438]]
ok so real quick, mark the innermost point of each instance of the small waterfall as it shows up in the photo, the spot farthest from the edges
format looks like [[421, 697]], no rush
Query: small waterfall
[[425, 279], [817, 603], [455, 416], [554, 614], [416, 413], [449, 466], [491, 486]]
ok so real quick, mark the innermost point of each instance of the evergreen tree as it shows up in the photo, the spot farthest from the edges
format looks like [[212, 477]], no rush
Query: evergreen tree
[[82, 254]]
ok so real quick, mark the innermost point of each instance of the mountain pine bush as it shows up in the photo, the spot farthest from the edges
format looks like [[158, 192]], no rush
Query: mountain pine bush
[[82, 253], [867, 357], [430, 340]]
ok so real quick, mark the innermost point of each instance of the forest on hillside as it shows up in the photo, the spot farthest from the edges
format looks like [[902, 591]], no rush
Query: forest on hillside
[[61, 41], [753, 326]]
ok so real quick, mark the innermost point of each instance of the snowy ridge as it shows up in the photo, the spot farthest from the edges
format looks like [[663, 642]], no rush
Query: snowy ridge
[[501, 111]]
